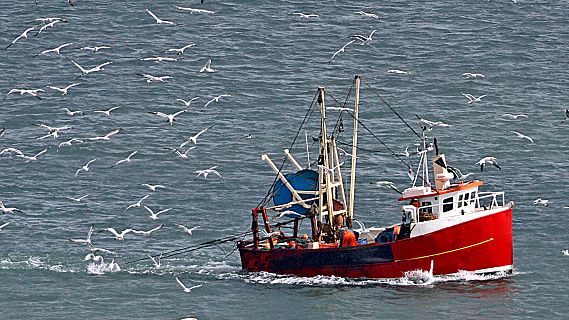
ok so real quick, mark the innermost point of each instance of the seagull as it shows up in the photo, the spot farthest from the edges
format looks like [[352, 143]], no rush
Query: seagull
[[192, 10], [406, 154], [341, 109], [33, 158], [53, 131], [472, 99], [294, 214], [160, 59], [94, 69], [88, 240], [169, 117], [388, 185], [5, 209], [106, 112], [187, 230], [180, 51], [113, 266], [46, 20], [397, 71], [540, 201], [153, 187], [473, 75], [56, 49], [23, 35], [137, 204], [94, 258], [69, 142], [177, 151], [207, 67], [156, 261], [488, 160], [153, 215], [32, 92], [194, 138], [2, 226], [186, 289], [2, 131], [118, 236], [100, 250], [367, 14], [187, 103], [433, 123], [12, 151], [95, 48], [72, 113], [304, 15], [342, 49], [64, 90], [457, 173], [106, 137], [78, 199], [85, 167], [126, 160], [565, 252], [48, 25], [206, 172], [514, 116], [150, 78], [158, 20], [147, 233], [216, 99], [522, 136], [363, 39]]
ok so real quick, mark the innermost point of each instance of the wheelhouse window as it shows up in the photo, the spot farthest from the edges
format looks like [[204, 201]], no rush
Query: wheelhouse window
[[466, 198], [448, 204], [460, 197], [473, 197], [426, 207]]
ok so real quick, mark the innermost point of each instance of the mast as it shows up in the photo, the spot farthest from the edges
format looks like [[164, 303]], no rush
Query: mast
[[354, 151]]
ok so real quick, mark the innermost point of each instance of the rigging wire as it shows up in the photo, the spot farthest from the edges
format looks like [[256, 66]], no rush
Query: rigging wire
[[393, 110], [267, 196]]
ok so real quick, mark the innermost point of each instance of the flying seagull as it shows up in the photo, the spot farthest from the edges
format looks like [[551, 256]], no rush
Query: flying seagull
[[364, 39], [488, 160], [158, 20], [186, 289], [342, 49], [472, 99], [187, 230], [522, 136]]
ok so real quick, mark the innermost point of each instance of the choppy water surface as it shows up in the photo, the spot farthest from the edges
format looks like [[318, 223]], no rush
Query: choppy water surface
[[271, 63]]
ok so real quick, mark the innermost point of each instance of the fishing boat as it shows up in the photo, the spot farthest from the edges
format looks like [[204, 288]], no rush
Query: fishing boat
[[445, 227]]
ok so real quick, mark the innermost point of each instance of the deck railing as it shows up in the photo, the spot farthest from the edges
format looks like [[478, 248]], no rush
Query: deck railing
[[486, 200]]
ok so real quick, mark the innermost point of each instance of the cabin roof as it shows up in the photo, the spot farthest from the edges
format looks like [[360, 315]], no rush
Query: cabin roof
[[453, 188]]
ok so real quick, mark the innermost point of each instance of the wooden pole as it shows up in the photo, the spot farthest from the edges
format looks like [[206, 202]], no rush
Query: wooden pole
[[354, 152]]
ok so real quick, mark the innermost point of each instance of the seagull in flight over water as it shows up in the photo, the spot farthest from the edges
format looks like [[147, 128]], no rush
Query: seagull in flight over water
[[194, 138], [23, 35], [106, 112], [118, 236], [2, 226], [5, 209], [64, 90], [106, 137], [304, 15], [154, 215], [206, 172], [207, 67], [56, 49], [156, 261], [85, 167], [88, 240], [147, 233], [540, 201], [187, 103], [186, 289], [187, 230], [153, 187], [342, 49], [472, 99], [367, 14], [158, 20], [169, 117], [126, 160], [137, 204], [364, 39], [514, 116], [488, 160], [522, 136]]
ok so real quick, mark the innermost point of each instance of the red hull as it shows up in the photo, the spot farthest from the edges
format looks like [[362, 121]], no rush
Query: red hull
[[483, 244]]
